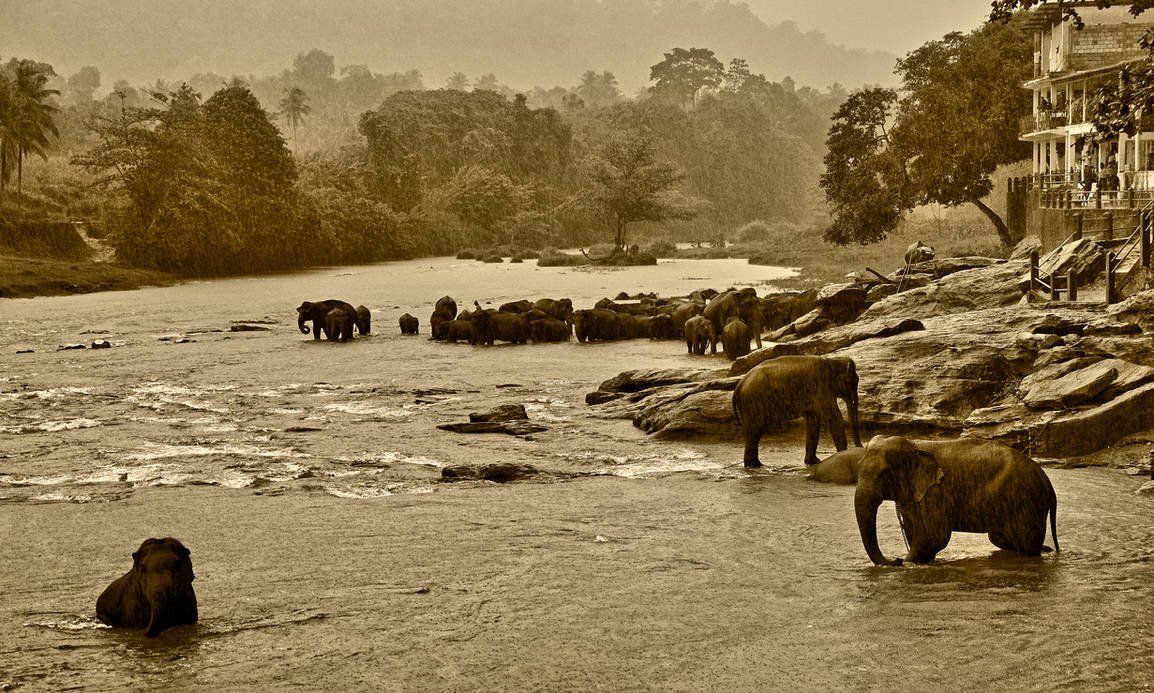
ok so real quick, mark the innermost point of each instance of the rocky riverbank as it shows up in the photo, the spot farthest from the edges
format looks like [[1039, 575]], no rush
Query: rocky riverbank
[[958, 353]]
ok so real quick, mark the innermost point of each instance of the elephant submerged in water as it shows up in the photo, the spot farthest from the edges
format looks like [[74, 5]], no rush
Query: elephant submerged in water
[[784, 388], [339, 325], [156, 593], [963, 485]]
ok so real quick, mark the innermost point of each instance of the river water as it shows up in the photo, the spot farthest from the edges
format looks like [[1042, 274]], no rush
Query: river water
[[304, 475]]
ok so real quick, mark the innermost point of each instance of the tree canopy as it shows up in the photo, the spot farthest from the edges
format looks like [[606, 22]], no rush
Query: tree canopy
[[937, 139]]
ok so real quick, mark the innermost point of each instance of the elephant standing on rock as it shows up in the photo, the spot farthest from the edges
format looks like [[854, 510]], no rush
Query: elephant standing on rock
[[735, 338], [784, 388], [963, 485], [409, 324], [699, 333], [339, 325], [317, 312], [156, 594]]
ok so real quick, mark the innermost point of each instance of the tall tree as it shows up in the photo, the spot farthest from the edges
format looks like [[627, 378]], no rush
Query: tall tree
[[293, 108], [684, 74], [82, 85], [953, 123], [629, 184], [457, 82], [30, 115]]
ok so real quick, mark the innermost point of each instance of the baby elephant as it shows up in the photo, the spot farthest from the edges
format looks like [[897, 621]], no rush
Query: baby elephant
[[364, 320], [157, 592], [339, 325], [409, 324]]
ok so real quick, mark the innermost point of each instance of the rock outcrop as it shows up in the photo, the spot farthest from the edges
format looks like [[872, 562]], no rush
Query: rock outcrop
[[960, 355]]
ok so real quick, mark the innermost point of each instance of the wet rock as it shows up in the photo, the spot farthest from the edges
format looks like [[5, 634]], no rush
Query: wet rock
[[769, 351], [1146, 489], [643, 379], [502, 472], [1079, 433], [247, 328], [1138, 308], [880, 291], [25, 351], [1029, 244], [302, 429], [708, 412], [1053, 324], [1072, 389], [69, 347], [101, 344], [960, 292], [504, 412], [513, 428], [601, 397], [1108, 328], [936, 269]]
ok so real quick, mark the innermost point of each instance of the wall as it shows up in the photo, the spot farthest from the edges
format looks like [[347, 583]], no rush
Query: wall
[[1100, 45]]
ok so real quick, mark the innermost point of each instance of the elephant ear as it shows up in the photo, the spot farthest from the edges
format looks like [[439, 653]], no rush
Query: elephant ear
[[927, 473]]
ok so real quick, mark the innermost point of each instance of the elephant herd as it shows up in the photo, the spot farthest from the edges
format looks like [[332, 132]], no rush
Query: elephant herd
[[335, 318], [735, 318]]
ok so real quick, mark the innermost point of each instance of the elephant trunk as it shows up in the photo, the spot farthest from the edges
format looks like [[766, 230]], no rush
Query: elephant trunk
[[851, 409], [160, 612], [866, 504], [301, 319]]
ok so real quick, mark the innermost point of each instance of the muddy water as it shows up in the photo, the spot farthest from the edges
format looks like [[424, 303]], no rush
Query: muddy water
[[304, 476]]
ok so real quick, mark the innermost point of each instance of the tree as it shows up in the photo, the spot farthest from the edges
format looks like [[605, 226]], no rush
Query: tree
[[598, 89], [683, 74], [936, 140], [629, 184], [83, 84], [26, 115], [457, 82], [293, 108], [487, 83], [1003, 10]]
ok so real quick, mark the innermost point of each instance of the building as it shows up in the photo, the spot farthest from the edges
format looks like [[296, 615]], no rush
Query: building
[[1069, 67]]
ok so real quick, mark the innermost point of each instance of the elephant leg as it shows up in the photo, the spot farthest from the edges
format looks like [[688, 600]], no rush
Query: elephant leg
[[753, 433], [836, 426], [926, 537], [812, 430], [1022, 534], [317, 325]]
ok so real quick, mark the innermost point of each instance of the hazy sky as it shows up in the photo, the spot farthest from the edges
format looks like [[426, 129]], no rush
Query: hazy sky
[[144, 39], [894, 26]]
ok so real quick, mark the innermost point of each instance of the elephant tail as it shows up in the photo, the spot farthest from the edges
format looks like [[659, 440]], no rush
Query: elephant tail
[[1054, 520], [736, 411]]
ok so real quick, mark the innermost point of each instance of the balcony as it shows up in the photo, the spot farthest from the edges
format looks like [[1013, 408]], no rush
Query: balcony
[[1044, 120]]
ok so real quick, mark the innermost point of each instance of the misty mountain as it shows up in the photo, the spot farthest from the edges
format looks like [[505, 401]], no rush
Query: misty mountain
[[525, 43]]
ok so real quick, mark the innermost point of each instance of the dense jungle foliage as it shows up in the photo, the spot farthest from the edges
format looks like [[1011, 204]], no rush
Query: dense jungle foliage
[[305, 168]]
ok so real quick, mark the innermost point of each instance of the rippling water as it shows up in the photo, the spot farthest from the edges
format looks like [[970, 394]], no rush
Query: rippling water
[[305, 476]]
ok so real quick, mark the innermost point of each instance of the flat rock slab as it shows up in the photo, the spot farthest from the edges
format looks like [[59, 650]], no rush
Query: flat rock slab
[[513, 428], [504, 412], [1072, 389]]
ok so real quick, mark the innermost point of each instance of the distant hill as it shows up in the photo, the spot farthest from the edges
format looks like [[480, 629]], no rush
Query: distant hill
[[525, 43]]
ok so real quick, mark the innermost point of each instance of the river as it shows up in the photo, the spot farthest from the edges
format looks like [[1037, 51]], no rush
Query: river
[[304, 475]]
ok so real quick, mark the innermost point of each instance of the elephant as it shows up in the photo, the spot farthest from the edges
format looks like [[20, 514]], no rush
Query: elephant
[[444, 311], [780, 309], [562, 308], [459, 331], [596, 324], [698, 333], [743, 304], [680, 313], [156, 594], [491, 325], [919, 252], [628, 326], [839, 468], [363, 320], [786, 387], [517, 306], [735, 338], [339, 325], [946, 486], [661, 326], [409, 324], [316, 312], [549, 330]]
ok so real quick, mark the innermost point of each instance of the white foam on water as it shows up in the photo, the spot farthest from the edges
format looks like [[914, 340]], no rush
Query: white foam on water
[[633, 466], [283, 411], [543, 413], [365, 491], [71, 624], [366, 409], [367, 459], [57, 496], [158, 451], [54, 393], [51, 426], [35, 480]]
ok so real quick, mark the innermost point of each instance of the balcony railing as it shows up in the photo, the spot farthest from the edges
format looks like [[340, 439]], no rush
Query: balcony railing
[[1043, 120]]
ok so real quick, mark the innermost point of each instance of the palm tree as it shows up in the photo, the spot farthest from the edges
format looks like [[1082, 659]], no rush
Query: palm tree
[[457, 82], [294, 107], [26, 117]]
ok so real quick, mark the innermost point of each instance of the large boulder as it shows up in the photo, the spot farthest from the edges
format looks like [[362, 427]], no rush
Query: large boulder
[[706, 412], [960, 292], [1138, 309], [1072, 389], [937, 269], [840, 303], [1029, 244]]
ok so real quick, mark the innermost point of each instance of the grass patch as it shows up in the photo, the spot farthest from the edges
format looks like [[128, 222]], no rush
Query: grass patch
[[24, 277]]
